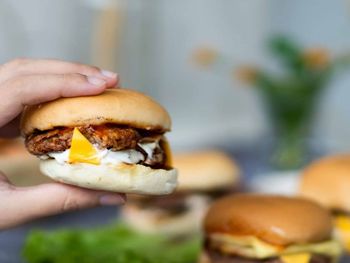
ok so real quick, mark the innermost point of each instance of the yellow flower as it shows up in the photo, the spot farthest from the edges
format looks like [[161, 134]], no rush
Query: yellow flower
[[246, 74], [316, 58], [204, 56]]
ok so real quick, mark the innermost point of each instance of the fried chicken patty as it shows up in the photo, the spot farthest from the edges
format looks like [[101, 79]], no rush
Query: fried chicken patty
[[106, 137], [217, 257]]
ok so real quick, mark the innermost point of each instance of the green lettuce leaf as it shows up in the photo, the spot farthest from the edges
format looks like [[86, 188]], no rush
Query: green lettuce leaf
[[117, 244]]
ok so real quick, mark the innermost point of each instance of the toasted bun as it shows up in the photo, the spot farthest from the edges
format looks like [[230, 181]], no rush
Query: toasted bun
[[119, 106], [124, 178], [276, 220], [328, 182], [205, 170]]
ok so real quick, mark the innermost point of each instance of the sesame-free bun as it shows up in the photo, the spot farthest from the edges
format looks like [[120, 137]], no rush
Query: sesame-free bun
[[276, 220], [328, 181], [123, 178], [119, 106], [205, 170]]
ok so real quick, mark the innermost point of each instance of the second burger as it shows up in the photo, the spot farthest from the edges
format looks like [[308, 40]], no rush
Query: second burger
[[203, 177]]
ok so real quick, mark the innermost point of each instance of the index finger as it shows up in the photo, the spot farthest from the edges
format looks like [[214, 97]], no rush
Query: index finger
[[25, 66], [35, 89]]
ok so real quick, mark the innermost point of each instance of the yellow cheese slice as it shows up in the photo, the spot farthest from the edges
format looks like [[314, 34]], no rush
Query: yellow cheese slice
[[167, 151], [81, 150], [296, 258], [342, 224], [252, 247]]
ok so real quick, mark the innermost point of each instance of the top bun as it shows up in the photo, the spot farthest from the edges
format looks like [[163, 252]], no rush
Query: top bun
[[276, 220], [205, 170], [328, 182], [119, 106]]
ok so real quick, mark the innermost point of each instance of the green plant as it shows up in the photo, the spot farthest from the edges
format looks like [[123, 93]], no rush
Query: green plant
[[292, 93], [115, 243]]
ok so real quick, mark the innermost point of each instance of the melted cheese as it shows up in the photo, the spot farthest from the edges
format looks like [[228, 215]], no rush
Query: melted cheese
[[296, 258], [249, 246], [81, 150], [342, 224], [167, 152], [103, 156]]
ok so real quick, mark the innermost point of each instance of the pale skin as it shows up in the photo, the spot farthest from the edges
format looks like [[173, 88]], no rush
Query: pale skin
[[29, 82]]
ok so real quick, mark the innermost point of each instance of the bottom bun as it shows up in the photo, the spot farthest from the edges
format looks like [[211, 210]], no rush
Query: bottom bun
[[122, 178]]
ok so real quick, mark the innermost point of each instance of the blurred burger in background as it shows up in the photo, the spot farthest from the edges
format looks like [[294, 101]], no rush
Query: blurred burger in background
[[203, 177], [249, 228], [327, 181]]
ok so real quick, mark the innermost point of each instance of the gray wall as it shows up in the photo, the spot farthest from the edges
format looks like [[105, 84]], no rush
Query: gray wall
[[158, 38]]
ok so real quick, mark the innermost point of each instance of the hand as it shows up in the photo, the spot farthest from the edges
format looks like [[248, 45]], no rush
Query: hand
[[28, 82]]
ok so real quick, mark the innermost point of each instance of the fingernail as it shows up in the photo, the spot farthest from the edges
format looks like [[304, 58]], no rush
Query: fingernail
[[112, 199], [109, 74], [96, 81]]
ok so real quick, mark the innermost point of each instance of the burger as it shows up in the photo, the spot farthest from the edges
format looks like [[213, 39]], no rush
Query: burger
[[113, 141], [203, 177], [249, 228], [327, 181]]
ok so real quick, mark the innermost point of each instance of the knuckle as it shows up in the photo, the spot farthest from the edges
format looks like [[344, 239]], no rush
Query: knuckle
[[67, 78], [89, 70], [19, 81], [69, 204], [74, 199], [14, 65], [94, 69], [16, 83]]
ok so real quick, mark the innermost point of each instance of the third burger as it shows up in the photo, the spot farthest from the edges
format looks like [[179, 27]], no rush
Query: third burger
[[254, 228]]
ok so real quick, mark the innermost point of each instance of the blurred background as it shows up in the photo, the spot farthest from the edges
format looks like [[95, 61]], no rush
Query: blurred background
[[151, 44], [217, 66]]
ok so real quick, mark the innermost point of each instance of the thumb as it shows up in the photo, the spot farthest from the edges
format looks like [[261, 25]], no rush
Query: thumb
[[21, 204]]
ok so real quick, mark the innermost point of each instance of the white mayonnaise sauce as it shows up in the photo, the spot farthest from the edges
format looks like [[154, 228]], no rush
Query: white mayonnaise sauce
[[110, 157]]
